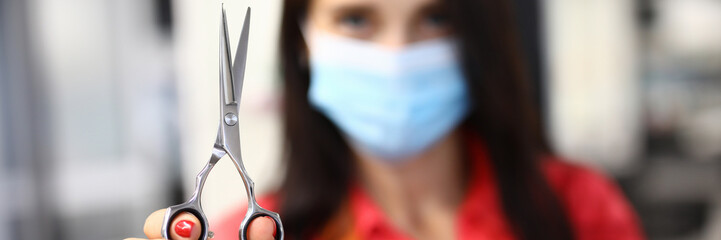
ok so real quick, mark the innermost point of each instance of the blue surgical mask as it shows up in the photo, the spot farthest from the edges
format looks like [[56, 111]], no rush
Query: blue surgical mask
[[389, 103]]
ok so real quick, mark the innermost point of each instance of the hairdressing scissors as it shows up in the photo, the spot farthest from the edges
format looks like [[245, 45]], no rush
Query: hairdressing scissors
[[228, 140]]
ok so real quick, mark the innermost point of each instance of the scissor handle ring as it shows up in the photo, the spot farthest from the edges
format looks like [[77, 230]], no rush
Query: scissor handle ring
[[189, 207], [255, 211]]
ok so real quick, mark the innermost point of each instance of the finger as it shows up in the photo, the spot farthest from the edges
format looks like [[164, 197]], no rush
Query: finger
[[262, 228], [184, 226]]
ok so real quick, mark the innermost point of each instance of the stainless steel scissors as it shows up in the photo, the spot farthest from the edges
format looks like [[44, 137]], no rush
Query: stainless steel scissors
[[227, 141]]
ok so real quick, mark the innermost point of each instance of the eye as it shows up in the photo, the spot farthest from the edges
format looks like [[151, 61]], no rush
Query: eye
[[433, 24], [436, 20], [356, 24], [354, 21]]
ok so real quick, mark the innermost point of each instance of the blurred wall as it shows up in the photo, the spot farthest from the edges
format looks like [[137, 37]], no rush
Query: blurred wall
[[88, 118], [635, 89], [594, 81]]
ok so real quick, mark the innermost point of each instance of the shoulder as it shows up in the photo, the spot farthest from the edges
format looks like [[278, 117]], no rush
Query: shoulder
[[226, 227], [566, 177], [595, 205]]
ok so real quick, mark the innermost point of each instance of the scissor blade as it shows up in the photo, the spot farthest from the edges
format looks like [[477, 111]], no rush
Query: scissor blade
[[241, 55], [226, 76]]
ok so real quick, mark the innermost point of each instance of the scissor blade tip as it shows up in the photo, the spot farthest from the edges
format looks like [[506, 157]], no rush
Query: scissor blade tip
[[246, 22]]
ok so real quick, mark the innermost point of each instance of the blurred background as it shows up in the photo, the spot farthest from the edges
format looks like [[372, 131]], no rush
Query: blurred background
[[108, 108]]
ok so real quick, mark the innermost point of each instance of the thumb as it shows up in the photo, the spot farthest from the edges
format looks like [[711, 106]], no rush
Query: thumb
[[262, 228]]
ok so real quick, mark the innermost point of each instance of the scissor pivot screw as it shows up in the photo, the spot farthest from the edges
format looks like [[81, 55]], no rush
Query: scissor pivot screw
[[231, 119]]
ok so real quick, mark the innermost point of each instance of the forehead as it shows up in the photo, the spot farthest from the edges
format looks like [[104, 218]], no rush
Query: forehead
[[389, 5]]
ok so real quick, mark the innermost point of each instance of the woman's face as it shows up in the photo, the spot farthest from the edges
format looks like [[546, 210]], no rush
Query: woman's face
[[392, 23]]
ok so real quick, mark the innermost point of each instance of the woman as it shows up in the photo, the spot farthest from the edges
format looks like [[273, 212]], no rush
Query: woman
[[412, 119]]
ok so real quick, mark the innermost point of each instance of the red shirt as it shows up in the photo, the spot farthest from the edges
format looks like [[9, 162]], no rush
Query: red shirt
[[596, 208]]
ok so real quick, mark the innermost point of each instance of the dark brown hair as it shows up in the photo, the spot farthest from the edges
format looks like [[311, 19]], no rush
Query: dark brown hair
[[319, 168]]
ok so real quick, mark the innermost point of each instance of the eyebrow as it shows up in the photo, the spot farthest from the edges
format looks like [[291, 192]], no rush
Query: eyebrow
[[352, 8], [434, 6]]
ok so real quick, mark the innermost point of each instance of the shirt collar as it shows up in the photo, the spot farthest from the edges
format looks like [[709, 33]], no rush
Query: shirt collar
[[479, 212]]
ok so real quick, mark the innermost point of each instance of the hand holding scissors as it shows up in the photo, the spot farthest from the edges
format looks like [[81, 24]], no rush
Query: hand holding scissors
[[227, 142]]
